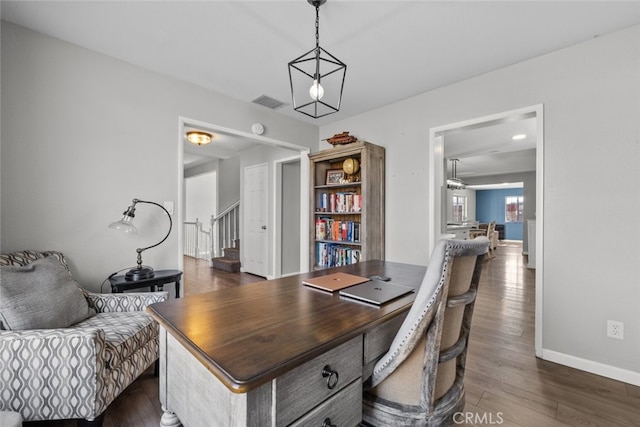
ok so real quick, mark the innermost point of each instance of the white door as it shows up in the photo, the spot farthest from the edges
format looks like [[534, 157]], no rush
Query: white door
[[255, 203]]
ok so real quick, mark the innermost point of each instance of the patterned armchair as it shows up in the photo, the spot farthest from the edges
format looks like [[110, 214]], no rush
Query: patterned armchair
[[78, 370]]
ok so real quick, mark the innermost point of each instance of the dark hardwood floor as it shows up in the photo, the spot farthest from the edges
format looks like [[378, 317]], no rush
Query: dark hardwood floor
[[199, 277], [505, 383]]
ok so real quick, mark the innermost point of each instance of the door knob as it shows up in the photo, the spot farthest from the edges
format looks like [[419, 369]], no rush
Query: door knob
[[264, 227]]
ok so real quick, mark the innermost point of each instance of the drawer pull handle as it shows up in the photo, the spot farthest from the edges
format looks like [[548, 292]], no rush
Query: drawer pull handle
[[331, 376], [327, 423]]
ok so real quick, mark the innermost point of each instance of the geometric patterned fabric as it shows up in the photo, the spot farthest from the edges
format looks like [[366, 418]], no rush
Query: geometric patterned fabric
[[123, 334], [77, 372]]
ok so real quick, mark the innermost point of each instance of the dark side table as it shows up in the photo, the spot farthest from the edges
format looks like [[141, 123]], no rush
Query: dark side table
[[120, 284]]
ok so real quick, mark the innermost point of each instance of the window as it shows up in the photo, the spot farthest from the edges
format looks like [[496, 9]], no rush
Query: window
[[513, 206], [459, 210]]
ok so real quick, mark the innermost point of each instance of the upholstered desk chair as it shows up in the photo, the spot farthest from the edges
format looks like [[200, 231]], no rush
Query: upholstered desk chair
[[419, 381]]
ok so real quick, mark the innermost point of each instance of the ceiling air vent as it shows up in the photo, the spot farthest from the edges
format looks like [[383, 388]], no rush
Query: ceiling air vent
[[267, 101]]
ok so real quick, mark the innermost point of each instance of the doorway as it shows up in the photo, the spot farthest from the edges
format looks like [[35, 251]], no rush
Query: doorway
[[437, 187], [288, 203], [255, 218], [200, 204], [273, 228]]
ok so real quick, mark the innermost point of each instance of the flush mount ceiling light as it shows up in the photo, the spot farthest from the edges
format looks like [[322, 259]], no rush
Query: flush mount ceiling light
[[519, 137], [317, 78], [199, 137]]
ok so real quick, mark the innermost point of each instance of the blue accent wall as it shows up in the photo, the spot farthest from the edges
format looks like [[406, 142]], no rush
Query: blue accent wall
[[490, 207]]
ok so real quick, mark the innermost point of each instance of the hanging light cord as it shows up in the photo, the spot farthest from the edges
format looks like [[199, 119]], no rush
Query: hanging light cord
[[317, 76]]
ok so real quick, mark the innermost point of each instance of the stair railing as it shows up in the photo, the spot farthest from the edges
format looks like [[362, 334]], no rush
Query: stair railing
[[197, 242], [226, 229], [190, 238]]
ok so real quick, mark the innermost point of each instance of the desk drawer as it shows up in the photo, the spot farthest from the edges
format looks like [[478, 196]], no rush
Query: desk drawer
[[305, 387], [377, 342], [343, 409]]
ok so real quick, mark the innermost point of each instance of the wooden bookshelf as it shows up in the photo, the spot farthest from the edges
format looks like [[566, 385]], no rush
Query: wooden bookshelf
[[347, 211]]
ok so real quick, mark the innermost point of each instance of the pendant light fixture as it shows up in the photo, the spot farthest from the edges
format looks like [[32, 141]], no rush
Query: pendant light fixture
[[317, 78], [455, 183]]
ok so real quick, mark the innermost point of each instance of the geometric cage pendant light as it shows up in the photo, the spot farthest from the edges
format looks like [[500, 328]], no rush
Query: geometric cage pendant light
[[317, 78]]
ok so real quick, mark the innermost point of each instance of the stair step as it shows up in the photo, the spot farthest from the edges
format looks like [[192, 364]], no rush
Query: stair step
[[226, 264], [232, 253]]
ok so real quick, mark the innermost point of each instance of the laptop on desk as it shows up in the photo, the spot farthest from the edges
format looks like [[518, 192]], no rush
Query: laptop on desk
[[334, 282], [376, 291]]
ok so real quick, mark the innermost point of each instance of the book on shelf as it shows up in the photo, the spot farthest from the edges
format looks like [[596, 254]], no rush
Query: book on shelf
[[335, 255], [341, 202], [328, 228]]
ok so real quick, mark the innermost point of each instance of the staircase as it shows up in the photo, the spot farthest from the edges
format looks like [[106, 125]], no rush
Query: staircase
[[226, 228], [230, 262]]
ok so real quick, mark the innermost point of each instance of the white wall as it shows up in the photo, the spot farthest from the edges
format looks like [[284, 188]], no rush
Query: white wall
[[210, 166], [200, 198], [99, 133], [591, 97], [229, 182]]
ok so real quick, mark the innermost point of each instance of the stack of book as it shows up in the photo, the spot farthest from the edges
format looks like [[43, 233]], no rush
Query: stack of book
[[332, 255], [343, 202], [337, 230]]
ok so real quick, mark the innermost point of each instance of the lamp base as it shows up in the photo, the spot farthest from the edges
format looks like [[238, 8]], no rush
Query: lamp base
[[139, 273]]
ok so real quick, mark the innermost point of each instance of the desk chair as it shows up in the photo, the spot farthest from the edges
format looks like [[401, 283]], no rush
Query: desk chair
[[491, 228], [419, 381]]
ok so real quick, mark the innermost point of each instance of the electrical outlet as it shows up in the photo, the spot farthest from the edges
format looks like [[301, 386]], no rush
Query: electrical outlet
[[615, 329]]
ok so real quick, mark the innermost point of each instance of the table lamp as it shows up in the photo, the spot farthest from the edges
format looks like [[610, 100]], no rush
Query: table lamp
[[126, 225]]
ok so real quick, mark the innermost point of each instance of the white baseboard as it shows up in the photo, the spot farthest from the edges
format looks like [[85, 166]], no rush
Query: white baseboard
[[619, 374]]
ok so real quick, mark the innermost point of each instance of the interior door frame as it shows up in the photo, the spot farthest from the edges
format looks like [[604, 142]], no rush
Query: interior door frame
[[184, 122], [437, 178], [277, 216]]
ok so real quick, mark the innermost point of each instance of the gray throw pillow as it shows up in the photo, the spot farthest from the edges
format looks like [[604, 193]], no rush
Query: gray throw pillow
[[40, 295]]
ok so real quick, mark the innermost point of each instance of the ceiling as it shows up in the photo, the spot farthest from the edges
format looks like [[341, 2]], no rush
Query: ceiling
[[393, 50], [223, 146], [489, 149]]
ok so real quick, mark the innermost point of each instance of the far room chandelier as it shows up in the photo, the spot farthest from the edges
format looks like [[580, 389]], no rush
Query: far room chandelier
[[455, 183], [317, 78]]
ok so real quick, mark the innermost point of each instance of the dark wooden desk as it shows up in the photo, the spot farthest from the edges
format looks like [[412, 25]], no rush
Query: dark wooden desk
[[161, 277], [255, 338]]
